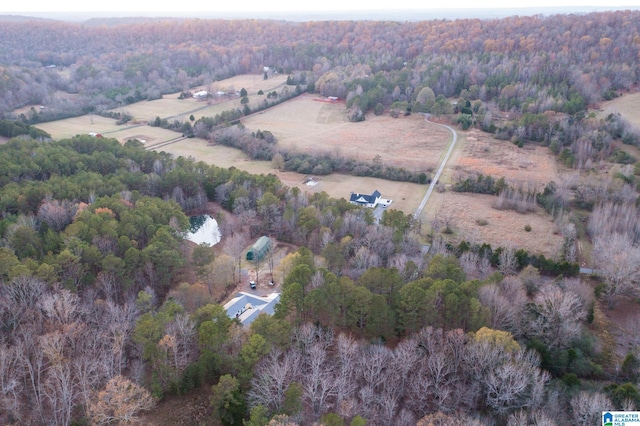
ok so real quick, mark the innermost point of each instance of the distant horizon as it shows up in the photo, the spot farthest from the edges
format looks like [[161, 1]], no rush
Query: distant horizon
[[402, 14]]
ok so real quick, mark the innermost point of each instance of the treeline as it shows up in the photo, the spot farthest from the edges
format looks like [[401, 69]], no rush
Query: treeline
[[11, 129], [511, 260]]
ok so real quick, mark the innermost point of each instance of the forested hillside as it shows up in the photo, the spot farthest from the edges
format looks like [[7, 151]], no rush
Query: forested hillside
[[559, 63], [92, 247], [106, 310]]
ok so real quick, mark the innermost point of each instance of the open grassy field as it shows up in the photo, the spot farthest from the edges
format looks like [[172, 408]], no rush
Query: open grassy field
[[181, 109], [503, 227], [219, 155], [82, 125], [478, 152], [628, 105], [481, 153], [251, 82], [406, 196], [107, 127], [146, 134], [305, 124]]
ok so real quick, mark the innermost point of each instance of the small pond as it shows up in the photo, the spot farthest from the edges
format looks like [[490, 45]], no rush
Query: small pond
[[203, 229]]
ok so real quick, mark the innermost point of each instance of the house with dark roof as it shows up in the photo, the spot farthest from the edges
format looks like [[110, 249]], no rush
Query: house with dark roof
[[365, 200], [246, 306]]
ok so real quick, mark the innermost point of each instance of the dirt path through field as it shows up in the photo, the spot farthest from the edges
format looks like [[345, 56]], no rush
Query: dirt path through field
[[434, 181]]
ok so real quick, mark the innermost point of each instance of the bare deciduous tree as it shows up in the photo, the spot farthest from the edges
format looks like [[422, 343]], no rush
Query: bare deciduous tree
[[617, 259], [235, 246], [516, 384], [57, 214], [508, 261], [555, 317], [442, 419], [120, 401], [347, 350], [317, 379], [527, 418], [61, 307], [10, 384], [183, 331], [272, 377], [505, 314], [61, 391], [587, 407]]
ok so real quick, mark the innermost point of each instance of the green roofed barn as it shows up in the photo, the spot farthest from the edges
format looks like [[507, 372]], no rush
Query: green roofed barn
[[259, 249]]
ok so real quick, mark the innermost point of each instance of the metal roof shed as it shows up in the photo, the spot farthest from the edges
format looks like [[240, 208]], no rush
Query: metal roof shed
[[259, 249]]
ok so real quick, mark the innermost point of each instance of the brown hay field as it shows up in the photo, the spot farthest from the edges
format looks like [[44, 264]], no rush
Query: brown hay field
[[406, 196], [201, 150], [627, 105], [82, 125], [478, 152], [504, 227], [107, 127], [251, 82], [321, 127], [146, 134], [181, 109], [168, 106], [481, 153]]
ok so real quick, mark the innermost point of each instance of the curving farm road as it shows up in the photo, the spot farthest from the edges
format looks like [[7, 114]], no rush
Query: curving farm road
[[440, 169]]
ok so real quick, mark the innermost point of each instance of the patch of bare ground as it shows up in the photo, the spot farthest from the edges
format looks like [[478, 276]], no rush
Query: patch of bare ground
[[473, 218], [621, 328], [186, 410], [531, 164]]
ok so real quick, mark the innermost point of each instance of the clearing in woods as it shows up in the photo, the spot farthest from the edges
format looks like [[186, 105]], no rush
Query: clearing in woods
[[627, 105], [168, 107], [305, 125], [108, 128], [224, 98], [532, 166]]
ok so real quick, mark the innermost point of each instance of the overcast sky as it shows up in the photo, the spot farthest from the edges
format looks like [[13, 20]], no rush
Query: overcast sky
[[12, 6]]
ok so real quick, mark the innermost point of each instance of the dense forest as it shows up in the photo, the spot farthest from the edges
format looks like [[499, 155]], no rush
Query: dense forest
[[98, 320], [93, 253]]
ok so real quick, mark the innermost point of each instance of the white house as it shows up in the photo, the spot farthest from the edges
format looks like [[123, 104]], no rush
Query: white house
[[202, 94], [246, 306], [365, 200]]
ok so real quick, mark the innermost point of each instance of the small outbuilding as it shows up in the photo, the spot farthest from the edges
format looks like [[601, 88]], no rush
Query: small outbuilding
[[259, 249]]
